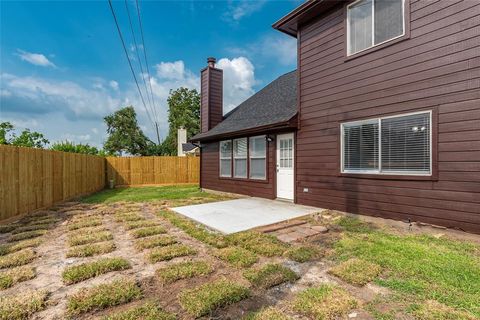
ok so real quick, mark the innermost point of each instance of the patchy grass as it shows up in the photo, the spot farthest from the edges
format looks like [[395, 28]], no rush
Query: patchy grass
[[148, 231], [147, 194], [270, 313], [32, 227], [89, 250], [146, 311], [183, 270], [356, 271], [433, 310], [128, 217], [140, 224], [418, 267], [27, 235], [79, 239], [237, 257], [324, 302], [154, 241], [84, 223], [210, 296], [262, 244], [170, 252], [303, 253], [9, 227], [18, 258], [10, 277], [103, 296], [13, 247], [23, 305], [270, 275], [201, 234], [89, 270]]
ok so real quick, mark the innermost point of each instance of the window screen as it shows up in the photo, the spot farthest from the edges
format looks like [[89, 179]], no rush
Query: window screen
[[240, 158], [360, 146], [226, 158], [395, 145], [258, 157], [371, 22], [406, 143]]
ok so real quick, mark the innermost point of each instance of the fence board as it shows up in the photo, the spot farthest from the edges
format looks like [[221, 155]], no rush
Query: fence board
[[33, 178], [153, 170]]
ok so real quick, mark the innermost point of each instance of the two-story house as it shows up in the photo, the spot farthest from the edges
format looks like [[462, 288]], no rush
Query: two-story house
[[381, 117]]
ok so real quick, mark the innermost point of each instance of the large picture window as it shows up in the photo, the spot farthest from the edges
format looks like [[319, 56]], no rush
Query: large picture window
[[225, 158], [240, 158], [389, 145], [258, 157], [373, 22]]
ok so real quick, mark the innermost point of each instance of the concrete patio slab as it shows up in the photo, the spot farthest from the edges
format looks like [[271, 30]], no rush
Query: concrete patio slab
[[243, 214]]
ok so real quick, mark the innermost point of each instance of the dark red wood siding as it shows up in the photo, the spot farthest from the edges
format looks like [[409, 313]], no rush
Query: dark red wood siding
[[210, 174], [211, 110], [436, 68]]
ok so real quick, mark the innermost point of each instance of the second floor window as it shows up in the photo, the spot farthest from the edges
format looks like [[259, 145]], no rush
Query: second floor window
[[373, 22]]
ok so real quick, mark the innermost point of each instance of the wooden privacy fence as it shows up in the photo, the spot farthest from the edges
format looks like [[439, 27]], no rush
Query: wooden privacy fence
[[153, 170], [34, 178]]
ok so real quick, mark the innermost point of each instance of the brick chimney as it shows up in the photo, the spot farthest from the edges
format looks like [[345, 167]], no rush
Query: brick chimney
[[211, 107]]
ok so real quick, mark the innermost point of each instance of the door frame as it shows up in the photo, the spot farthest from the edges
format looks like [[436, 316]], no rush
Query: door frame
[[294, 165]]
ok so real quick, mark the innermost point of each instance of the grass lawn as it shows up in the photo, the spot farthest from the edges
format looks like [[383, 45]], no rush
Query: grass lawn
[[178, 194]]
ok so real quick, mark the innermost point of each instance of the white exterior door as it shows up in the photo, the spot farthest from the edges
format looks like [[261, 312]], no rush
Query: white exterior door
[[285, 166]]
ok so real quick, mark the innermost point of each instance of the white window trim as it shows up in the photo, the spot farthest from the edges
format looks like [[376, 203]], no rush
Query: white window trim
[[373, 28], [250, 157], [240, 157], [379, 171], [224, 158]]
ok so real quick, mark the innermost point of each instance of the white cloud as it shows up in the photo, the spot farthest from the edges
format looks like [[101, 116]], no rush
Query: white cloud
[[76, 137], [113, 84], [95, 130], [240, 9], [171, 70], [37, 59]]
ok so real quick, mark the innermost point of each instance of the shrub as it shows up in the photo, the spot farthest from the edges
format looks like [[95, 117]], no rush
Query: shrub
[[103, 296], [238, 257], [183, 270], [210, 296], [89, 270], [270, 275], [170, 252]]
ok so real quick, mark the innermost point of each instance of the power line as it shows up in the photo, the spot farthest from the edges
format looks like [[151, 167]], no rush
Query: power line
[[146, 61], [138, 57], [129, 62]]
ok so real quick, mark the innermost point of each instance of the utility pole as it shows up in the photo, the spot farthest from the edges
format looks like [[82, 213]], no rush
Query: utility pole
[[158, 135]]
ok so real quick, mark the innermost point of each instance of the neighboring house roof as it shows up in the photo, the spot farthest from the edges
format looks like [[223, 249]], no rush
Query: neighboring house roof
[[186, 147], [274, 104]]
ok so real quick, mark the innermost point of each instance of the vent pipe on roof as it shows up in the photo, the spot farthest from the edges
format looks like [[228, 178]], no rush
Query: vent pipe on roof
[[211, 62]]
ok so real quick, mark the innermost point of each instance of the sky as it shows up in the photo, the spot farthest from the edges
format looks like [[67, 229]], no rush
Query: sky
[[63, 67]]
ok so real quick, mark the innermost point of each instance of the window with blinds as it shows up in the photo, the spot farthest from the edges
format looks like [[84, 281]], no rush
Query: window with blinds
[[240, 158], [226, 158], [390, 145], [258, 157]]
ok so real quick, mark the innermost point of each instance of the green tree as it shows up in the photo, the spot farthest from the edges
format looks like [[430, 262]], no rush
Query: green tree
[[124, 134], [183, 111], [31, 139], [68, 146], [5, 129]]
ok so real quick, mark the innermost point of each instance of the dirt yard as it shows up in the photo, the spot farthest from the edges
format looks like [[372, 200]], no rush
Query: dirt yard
[[138, 260]]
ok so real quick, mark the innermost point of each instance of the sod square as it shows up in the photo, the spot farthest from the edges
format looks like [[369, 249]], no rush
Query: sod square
[[92, 249], [12, 276], [79, 239], [270, 275], [154, 241], [18, 258], [16, 246], [303, 253], [434, 310], [356, 271], [23, 305], [183, 270], [146, 311], [170, 252], [89, 270], [324, 302], [126, 217], [270, 313], [211, 296], [262, 244], [84, 223], [237, 257], [103, 296], [32, 228], [9, 227], [27, 235], [140, 224], [148, 231]]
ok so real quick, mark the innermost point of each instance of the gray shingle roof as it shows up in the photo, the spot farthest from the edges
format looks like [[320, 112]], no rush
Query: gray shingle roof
[[188, 146], [276, 103]]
